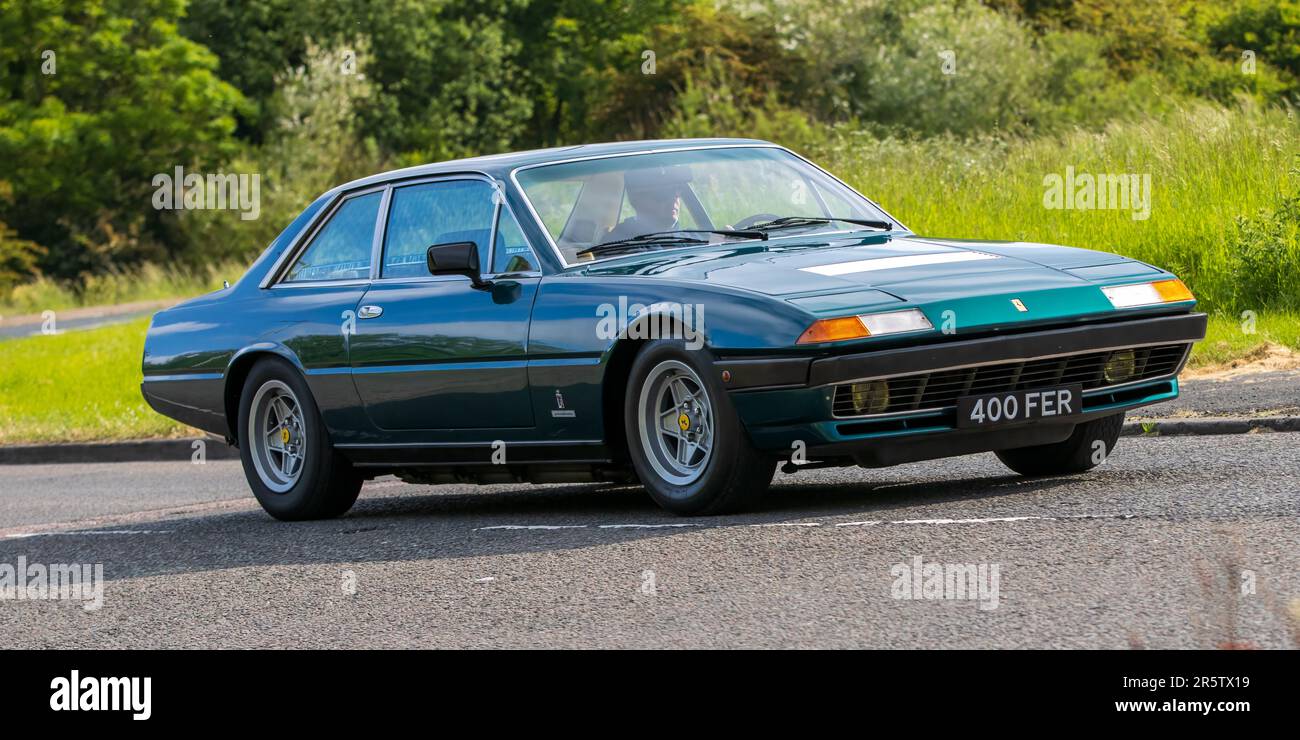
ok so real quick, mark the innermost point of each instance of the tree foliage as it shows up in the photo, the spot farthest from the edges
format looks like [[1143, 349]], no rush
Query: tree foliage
[[97, 96]]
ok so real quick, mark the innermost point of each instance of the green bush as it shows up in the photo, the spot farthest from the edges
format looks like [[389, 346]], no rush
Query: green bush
[[709, 105], [1269, 28], [1266, 256], [98, 96], [318, 143]]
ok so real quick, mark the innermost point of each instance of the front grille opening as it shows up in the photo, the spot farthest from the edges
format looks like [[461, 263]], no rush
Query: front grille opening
[[941, 389], [895, 425], [1126, 395]]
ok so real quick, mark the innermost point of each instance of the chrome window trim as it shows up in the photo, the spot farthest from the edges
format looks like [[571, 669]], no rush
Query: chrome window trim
[[381, 232], [555, 249], [275, 276], [1187, 352], [497, 185], [451, 278], [319, 284]]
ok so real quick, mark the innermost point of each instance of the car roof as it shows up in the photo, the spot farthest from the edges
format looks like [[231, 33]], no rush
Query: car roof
[[500, 165]]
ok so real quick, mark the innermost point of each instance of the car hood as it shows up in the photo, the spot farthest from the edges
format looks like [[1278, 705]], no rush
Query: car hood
[[838, 275]]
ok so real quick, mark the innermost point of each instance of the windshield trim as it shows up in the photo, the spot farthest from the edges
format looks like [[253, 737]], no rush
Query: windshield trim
[[555, 248]]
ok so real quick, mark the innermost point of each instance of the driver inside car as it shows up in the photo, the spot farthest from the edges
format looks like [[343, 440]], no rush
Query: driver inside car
[[655, 195]]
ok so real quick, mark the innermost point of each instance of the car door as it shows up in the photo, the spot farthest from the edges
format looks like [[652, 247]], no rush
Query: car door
[[435, 352], [310, 305]]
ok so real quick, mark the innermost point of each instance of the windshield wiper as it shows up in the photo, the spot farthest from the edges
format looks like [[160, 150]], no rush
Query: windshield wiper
[[666, 238], [792, 222]]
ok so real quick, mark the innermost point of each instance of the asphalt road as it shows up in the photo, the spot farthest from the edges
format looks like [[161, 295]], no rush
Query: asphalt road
[[31, 325], [1150, 550], [1270, 393]]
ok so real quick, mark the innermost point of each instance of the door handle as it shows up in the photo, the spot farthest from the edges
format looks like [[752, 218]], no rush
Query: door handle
[[370, 312]]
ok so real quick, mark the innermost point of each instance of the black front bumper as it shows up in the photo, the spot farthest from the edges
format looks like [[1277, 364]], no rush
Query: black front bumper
[[1011, 348]]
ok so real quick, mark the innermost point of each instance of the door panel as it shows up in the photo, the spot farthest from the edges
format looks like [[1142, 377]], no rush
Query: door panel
[[435, 353], [444, 355]]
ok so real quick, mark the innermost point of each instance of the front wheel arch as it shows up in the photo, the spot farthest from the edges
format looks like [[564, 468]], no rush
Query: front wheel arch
[[618, 364]]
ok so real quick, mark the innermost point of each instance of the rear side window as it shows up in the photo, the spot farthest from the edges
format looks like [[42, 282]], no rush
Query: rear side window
[[341, 249], [435, 213]]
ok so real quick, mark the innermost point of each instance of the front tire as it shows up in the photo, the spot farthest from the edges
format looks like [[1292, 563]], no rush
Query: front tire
[[1084, 450], [288, 459], [685, 439]]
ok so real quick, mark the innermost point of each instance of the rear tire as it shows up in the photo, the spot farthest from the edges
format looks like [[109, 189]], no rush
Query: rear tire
[[288, 459], [685, 439], [1089, 446]]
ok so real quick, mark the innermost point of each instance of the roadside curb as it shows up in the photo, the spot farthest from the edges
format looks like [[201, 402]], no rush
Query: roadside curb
[[141, 450], [1211, 425], [174, 450]]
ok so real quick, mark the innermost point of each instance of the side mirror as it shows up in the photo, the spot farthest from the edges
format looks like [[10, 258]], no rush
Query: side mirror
[[456, 258]]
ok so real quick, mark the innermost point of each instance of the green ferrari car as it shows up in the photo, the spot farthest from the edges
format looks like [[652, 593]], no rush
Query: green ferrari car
[[692, 315]]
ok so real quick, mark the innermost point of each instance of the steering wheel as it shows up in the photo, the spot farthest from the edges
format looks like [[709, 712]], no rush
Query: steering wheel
[[757, 218]]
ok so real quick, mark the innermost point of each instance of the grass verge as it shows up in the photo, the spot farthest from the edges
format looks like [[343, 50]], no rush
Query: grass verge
[[77, 386], [1231, 341], [147, 283]]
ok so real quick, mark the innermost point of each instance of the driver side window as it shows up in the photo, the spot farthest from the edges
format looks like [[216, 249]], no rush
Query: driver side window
[[435, 213]]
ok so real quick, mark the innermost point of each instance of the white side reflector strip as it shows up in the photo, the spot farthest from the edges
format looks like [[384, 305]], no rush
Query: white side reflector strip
[[894, 263]]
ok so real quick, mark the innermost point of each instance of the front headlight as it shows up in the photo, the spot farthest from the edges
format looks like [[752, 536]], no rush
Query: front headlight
[[865, 325], [1148, 294]]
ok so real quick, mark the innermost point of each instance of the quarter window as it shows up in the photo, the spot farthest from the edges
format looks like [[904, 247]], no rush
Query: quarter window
[[341, 249], [435, 213], [511, 253]]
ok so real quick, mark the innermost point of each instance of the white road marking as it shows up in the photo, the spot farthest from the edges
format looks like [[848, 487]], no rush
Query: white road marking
[[649, 526], [862, 523], [24, 535], [534, 526], [988, 520]]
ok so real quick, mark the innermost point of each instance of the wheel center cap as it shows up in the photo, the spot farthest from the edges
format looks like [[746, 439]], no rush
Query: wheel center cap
[[284, 435], [684, 421]]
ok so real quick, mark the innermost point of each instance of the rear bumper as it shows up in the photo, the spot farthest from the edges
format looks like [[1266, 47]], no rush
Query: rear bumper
[[189, 400]]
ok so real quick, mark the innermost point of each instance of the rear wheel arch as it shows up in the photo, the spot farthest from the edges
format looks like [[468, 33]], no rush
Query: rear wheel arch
[[237, 373]]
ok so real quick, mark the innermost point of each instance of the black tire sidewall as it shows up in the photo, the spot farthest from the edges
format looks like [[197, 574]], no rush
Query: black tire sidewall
[[1072, 455], [305, 499], [730, 443]]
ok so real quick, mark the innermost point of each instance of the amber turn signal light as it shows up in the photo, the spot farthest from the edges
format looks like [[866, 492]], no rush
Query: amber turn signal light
[[1172, 290], [834, 330]]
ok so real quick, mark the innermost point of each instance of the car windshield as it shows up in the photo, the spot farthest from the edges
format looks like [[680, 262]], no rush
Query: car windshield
[[599, 207]]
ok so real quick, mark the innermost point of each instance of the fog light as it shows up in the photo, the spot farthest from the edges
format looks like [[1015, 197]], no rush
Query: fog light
[[1120, 367], [871, 397]]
